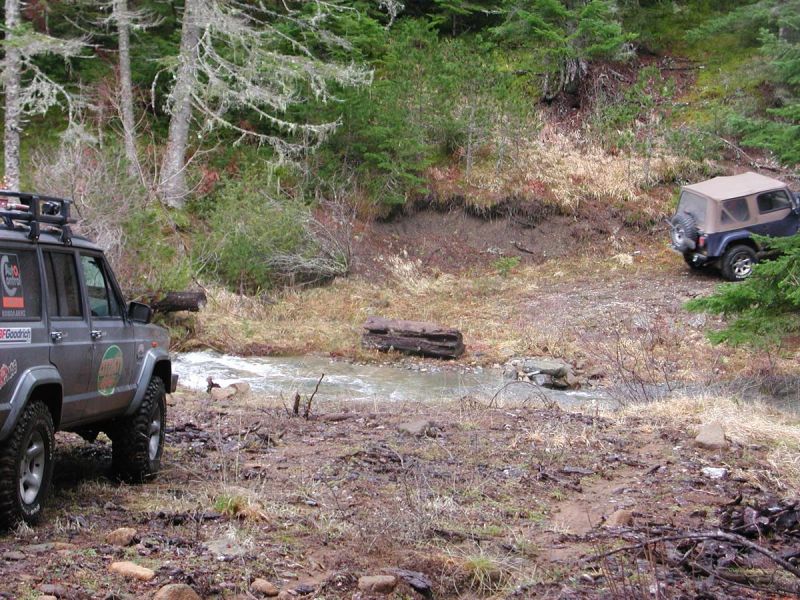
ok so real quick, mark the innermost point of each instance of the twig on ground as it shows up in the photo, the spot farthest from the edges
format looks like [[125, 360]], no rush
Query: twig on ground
[[707, 535], [307, 411]]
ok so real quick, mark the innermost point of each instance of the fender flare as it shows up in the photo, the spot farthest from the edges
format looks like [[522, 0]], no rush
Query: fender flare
[[154, 360], [31, 379], [736, 236]]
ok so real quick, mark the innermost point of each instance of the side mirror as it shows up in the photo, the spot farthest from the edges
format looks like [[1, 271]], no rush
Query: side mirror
[[139, 313]]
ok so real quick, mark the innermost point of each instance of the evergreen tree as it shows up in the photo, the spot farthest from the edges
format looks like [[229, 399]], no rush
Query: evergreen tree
[[562, 37], [764, 308]]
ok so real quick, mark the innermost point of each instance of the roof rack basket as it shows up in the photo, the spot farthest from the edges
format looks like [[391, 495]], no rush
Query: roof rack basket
[[34, 210]]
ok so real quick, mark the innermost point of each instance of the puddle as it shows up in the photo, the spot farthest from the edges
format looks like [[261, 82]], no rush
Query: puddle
[[287, 375]]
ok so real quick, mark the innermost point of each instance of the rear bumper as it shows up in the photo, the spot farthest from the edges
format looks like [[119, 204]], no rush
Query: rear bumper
[[699, 259], [173, 384]]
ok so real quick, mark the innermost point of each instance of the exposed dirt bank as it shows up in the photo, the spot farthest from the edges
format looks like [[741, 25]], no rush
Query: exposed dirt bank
[[505, 502]]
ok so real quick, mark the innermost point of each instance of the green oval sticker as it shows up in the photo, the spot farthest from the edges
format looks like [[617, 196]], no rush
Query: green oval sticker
[[110, 371]]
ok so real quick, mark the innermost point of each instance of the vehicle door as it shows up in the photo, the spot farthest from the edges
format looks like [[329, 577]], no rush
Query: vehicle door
[[71, 343], [24, 339], [775, 215], [114, 354]]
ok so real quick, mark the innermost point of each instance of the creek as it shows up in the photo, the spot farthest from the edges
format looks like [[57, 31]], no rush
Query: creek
[[285, 376]]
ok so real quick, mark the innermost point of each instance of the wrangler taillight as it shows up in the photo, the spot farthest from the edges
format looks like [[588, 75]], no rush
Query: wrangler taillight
[[701, 242]]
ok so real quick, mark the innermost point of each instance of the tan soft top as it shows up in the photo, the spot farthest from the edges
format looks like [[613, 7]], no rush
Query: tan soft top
[[735, 186]]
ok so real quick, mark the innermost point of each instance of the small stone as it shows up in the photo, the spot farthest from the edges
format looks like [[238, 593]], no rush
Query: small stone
[[619, 518], [131, 570], [47, 597], [225, 548], [418, 428], [715, 472], [222, 393], [377, 584], [571, 380], [548, 367], [241, 387], [14, 555], [264, 587], [124, 536], [176, 591], [50, 589], [286, 595], [711, 436]]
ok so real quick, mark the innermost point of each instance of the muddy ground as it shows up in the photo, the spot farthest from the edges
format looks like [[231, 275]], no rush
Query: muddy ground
[[511, 502]]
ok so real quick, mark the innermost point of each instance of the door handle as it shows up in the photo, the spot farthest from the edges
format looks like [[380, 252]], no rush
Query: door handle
[[97, 334], [56, 336]]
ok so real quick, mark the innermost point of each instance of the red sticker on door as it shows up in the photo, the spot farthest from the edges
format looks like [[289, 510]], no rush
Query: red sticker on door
[[13, 303]]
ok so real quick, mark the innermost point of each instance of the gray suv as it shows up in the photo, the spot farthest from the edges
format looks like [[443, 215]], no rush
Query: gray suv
[[73, 356]]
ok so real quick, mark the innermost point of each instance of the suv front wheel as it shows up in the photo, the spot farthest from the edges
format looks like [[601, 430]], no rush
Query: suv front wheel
[[737, 263], [26, 466], [138, 441]]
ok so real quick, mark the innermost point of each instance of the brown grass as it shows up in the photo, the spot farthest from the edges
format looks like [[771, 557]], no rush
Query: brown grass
[[745, 423]]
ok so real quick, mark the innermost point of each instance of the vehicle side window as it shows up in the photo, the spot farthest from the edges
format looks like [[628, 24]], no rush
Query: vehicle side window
[[735, 210], [63, 289], [102, 299], [777, 200], [20, 298]]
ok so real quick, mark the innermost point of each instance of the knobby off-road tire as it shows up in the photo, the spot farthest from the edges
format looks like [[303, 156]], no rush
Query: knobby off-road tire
[[26, 466], [684, 232], [138, 441], [737, 263]]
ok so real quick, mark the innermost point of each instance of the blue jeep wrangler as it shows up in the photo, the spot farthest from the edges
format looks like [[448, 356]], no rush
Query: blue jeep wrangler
[[716, 220]]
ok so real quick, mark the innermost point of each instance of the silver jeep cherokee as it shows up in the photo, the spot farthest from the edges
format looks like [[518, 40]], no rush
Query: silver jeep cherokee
[[73, 356]]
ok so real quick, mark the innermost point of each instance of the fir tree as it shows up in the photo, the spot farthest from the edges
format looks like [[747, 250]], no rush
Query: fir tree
[[764, 308]]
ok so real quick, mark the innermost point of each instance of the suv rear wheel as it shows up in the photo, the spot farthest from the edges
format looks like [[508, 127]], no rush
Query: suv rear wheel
[[737, 263], [138, 441], [26, 466]]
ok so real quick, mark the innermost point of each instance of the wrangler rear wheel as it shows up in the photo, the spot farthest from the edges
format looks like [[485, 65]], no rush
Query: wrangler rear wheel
[[738, 263]]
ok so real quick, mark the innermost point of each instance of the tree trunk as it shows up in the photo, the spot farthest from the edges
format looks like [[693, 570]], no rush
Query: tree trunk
[[172, 187], [11, 84], [178, 301], [122, 18]]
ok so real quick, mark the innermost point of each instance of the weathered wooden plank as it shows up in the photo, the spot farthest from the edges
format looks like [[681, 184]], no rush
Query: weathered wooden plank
[[413, 337]]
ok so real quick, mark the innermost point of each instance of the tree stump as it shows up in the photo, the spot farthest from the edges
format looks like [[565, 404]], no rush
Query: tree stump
[[412, 337]]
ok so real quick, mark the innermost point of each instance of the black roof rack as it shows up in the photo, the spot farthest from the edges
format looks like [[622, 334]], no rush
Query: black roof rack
[[34, 210]]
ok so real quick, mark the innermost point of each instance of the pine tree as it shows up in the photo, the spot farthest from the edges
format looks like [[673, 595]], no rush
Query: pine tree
[[236, 56], [562, 37], [27, 88], [764, 308]]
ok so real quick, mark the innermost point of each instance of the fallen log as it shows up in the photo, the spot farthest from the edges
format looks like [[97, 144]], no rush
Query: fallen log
[[177, 301], [412, 337]]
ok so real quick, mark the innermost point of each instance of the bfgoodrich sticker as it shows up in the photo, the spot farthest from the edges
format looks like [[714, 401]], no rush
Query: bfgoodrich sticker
[[110, 371], [15, 335]]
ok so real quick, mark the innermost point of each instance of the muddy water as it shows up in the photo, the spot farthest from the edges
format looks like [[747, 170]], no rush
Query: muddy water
[[287, 375]]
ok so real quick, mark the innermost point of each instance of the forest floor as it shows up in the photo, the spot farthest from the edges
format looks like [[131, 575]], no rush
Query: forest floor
[[453, 500]]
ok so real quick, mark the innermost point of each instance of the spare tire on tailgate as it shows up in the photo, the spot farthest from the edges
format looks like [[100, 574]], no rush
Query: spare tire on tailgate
[[684, 232]]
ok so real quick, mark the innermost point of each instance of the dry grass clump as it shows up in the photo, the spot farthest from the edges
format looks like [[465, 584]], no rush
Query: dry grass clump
[[744, 423], [563, 172]]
